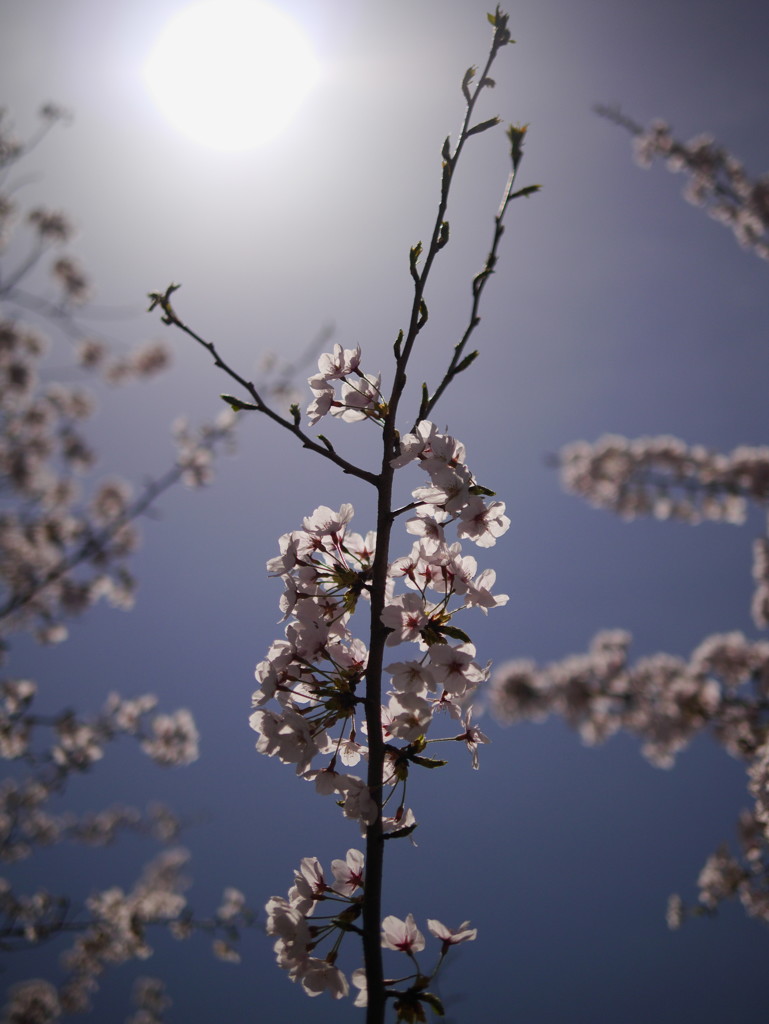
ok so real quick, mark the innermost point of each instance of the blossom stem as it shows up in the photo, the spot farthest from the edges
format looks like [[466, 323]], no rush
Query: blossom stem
[[372, 914], [372, 947]]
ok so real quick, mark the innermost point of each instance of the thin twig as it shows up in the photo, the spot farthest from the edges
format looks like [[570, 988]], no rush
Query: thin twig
[[170, 317]]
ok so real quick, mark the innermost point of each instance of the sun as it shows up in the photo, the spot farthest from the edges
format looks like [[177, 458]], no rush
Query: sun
[[231, 74]]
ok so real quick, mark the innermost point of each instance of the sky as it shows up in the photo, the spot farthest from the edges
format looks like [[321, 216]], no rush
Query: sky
[[616, 307]]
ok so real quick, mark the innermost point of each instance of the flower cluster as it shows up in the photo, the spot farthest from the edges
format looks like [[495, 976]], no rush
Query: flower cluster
[[57, 746], [151, 999], [717, 180], [666, 701], [34, 1000], [315, 673], [725, 876], [119, 920], [297, 938], [666, 478], [77, 742], [723, 688], [60, 551], [25, 823], [112, 929], [359, 396], [315, 676], [299, 931]]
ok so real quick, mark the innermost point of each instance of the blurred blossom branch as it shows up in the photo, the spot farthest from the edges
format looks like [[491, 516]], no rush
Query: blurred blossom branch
[[717, 180], [321, 704], [723, 687], [37, 576], [13, 147], [668, 479], [60, 552], [111, 928], [46, 530]]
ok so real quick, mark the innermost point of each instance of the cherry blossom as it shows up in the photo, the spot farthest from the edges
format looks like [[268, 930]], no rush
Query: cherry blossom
[[402, 936], [317, 976], [309, 886], [472, 737], [348, 873], [451, 936]]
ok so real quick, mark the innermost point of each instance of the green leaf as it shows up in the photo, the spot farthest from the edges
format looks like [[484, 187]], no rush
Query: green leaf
[[517, 134], [236, 404], [162, 299], [483, 126], [434, 1003], [469, 76], [428, 762], [501, 31], [529, 190], [414, 253], [484, 491], [455, 633], [467, 361]]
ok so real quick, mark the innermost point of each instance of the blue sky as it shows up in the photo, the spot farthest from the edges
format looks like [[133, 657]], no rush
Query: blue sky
[[616, 307]]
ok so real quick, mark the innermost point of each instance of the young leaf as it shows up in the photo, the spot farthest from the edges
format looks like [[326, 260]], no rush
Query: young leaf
[[428, 762], [467, 361], [483, 126], [529, 190], [469, 76], [414, 253], [236, 404], [455, 633], [434, 1003], [516, 133]]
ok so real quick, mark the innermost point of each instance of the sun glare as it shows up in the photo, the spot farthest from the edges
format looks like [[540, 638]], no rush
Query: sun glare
[[231, 74]]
